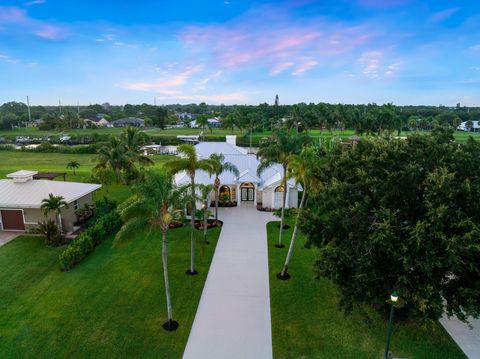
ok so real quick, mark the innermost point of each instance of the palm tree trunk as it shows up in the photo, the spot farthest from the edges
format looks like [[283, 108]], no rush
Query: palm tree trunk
[[284, 273], [165, 273], [282, 217], [205, 225], [192, 229], [217, 195], [59, 223]]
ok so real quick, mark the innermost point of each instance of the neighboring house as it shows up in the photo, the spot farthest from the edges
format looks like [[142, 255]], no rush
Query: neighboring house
[[21, 198], [128, 121], [475, 127], [264, 190], [98, 120], [213, 122]]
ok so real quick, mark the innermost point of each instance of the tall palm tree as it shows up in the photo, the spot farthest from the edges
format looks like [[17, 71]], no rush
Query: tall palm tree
[[219, 166], [154, 206], [113, 156], [55, 204], [301, 168], [190, 163], [133, 140], [278, 151], [73, 165], [205, 191]]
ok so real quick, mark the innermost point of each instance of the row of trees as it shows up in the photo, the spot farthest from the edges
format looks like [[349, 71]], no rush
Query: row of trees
[[369, 118]]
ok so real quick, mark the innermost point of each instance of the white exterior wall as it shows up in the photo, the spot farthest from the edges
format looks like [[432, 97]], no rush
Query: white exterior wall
[[293, 198], [267, 197]]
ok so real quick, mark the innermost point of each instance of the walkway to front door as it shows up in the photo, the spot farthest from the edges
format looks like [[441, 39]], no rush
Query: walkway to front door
[[233, 317]]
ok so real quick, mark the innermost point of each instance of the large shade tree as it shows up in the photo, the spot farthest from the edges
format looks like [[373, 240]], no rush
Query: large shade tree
[[283, 144], [189, 162], [154, 205], [218, 165], [401, 215]]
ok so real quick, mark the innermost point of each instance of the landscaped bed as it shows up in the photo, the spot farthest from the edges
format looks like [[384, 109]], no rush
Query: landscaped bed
[[112, 305], [306, 322]]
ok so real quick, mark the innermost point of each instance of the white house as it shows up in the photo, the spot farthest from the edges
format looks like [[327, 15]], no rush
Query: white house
[[213, 122], [475, 126], [248, 187], [21, 198]]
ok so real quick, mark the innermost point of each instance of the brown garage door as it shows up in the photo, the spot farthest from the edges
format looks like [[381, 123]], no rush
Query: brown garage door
[[12, 220]]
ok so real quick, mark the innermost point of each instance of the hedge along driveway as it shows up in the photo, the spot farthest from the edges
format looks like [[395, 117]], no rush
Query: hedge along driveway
[[112, 305]]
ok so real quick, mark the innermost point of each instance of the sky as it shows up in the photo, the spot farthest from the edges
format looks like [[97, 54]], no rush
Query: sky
[[240, 52]]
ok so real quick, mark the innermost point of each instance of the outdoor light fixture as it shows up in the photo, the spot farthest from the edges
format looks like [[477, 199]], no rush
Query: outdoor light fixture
[[394, 296], [393, 299]]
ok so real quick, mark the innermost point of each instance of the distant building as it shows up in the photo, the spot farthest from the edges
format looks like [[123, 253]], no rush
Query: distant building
[[213, 122], [99, 120], [475, 128], [129, 121]]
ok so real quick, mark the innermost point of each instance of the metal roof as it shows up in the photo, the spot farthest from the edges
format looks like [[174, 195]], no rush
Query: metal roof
[[31, 193]]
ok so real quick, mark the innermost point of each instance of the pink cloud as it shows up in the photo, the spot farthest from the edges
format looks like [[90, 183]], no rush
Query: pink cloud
[[307, 65], [444, 14], [275, 45], [49, 32], [167, 85], [18, 20]]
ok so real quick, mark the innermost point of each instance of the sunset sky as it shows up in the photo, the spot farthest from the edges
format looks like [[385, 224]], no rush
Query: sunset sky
[[358, 51]]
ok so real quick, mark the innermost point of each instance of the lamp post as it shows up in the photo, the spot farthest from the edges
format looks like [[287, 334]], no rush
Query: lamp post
[[393, 299]]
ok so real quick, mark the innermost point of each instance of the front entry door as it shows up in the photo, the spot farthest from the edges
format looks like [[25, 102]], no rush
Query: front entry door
[[12, 220], [247, 194]]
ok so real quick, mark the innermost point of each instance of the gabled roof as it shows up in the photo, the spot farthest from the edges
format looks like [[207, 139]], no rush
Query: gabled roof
[[31, 193]]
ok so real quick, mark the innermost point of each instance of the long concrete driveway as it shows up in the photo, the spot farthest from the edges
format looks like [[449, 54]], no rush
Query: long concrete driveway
[[233, 317]]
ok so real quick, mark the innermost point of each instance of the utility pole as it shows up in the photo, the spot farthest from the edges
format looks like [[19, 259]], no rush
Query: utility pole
[[28, 108], [60, 106], [78, 108]]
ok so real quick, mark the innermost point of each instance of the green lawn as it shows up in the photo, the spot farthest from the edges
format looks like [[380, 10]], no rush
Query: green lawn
[[306, 322], [112, 305], [11, 161]]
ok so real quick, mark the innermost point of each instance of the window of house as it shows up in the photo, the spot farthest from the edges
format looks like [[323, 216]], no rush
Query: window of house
[[75, 205]]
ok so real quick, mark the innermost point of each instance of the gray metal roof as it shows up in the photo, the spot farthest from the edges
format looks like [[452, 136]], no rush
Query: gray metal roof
[[31, 193]]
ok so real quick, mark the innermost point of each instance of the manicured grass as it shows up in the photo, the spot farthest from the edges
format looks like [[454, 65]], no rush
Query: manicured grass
[[306, 322], [11, 161], [112, 305]]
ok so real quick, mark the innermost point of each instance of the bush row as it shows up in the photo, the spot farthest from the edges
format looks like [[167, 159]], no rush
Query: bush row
[[98, 230]]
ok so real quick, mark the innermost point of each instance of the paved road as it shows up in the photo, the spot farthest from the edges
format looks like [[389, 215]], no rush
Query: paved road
[[468, 339], [233, 317]]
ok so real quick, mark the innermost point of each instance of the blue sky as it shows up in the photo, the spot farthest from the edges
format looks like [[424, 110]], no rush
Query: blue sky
[[357, 51]]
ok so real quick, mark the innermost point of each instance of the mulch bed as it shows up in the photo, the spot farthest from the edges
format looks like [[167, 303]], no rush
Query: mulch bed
[[211, 223]]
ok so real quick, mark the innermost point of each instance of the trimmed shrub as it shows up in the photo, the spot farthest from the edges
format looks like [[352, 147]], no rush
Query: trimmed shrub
[[99, 228]]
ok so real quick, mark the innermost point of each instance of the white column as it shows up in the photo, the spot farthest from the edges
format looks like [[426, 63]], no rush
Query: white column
[[238, 194], [287, 200], [255, 195]]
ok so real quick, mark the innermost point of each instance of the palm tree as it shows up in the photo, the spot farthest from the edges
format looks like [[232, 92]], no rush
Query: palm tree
[[133, 140], [301, 168], [55, 204], [278, 151], [205, 191], [154, 206], [190, 163], [218, 166], [113, 156], [73, 165]]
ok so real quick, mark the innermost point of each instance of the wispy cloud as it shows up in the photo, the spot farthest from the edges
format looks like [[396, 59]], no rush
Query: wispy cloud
[[34, 2], [374, 67], [166, 85], [278, 45], [444, 14], [383, 3], [18, 20], [8, 59]]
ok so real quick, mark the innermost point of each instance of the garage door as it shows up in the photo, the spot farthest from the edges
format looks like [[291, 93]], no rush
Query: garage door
[[12, 220]]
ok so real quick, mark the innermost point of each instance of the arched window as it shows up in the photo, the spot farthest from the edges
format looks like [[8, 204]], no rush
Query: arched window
[[225, 194], [280, 189]]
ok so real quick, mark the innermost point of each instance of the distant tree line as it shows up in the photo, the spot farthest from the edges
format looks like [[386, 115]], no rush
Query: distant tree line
[[369, 118]]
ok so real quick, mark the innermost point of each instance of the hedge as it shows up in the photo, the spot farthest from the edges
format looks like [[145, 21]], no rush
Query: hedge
[[86, 241]]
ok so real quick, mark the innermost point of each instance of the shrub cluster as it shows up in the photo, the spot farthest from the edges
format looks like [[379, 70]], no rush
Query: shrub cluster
[[100, 227]]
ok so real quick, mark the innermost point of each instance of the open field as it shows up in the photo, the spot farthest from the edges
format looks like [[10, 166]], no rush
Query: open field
[[306, 322], [11, 161], [112, 305], [213, 134]]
